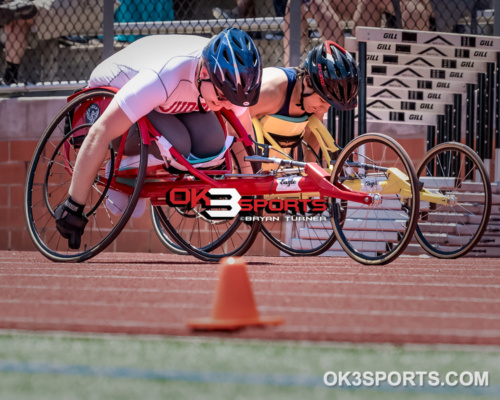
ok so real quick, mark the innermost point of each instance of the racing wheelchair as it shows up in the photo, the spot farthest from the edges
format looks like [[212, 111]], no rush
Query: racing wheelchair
[[371, 176]]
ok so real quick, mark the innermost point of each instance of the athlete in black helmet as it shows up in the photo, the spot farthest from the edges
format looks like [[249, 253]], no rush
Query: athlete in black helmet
[[334, 75], [329, 77]]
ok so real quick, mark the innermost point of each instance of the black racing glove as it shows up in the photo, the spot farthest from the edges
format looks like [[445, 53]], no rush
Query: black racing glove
[[71, 222]]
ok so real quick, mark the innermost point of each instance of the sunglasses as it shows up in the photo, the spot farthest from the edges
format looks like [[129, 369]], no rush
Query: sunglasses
[[218, 93]]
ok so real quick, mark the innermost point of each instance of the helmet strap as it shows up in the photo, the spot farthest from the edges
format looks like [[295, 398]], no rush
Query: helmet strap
[[302, 95], [200, 107], [198, 80]]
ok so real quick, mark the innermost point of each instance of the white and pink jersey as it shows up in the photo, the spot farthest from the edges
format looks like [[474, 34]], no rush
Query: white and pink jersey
[[155, 73]]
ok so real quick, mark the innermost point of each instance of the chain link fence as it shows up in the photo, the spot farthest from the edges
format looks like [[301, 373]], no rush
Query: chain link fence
[[47, 42]]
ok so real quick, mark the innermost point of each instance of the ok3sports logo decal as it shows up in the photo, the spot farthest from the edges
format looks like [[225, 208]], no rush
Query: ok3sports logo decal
[[220, 203]]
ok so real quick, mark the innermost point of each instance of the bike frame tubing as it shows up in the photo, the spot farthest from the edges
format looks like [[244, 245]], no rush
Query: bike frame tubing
[[316, 180]]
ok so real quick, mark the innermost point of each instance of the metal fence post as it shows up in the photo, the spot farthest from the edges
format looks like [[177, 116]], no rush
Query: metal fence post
[[480, 114], [440, 133], [431, 142], [497, 115], [108, 29], [489, 103], [470, 120], [295, 33], [496, 23], [332, 125], [362, 89]]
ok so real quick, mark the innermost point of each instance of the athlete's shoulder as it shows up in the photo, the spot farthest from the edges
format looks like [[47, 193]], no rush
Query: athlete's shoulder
[[274, 80], [175, 39], [274, 75]]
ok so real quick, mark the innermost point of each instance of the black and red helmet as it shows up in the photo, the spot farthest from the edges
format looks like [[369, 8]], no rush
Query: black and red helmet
[[234, 65], [334, 75]]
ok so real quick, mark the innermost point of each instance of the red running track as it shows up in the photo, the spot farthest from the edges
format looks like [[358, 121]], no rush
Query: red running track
[[412, 300]]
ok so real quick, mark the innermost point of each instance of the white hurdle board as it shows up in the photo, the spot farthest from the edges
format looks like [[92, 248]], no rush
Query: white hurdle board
[[413, 106], [410, 83], [365, 34], [402, 93], [418, 50], [408, 94], [459, 66], [422, 73], [415, 117]]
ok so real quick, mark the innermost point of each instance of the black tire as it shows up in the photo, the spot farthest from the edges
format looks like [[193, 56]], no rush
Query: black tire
[[161, 232], [49, 177], [456, 171], [161, 213], [204, 238], [308, 235], [375, 234]]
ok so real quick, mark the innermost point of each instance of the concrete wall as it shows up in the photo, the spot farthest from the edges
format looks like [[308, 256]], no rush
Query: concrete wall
[[22, 121]]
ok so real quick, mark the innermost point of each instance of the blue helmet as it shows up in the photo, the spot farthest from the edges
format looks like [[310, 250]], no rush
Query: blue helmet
[[334, 75], [234, 66]]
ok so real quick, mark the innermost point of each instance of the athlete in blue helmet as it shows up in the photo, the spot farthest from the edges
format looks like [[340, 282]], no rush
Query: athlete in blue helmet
[[234, 66], [178, 81]]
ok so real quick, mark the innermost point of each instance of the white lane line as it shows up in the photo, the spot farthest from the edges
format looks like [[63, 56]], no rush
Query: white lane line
[[35, 256], [103, 304], [155, 278], [98, 289], [298, 281], [287, 310], [253, 272], [394, 331], [133, 267], [371, 331], [382, 313], [84, 321]]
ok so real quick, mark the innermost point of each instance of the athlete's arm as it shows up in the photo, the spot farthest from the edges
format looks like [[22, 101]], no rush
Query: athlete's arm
[[311, 140], [112, 123], [246, 121], [135, 99]]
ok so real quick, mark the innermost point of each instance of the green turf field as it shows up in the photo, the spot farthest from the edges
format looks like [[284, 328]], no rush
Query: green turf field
[[64, 366]]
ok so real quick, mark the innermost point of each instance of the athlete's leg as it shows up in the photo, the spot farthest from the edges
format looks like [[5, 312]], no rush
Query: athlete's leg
[[195, 133], [168, 125], [205, 130], [172, 129]]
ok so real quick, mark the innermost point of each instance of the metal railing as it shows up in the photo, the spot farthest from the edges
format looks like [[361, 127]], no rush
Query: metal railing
[[64, 58]]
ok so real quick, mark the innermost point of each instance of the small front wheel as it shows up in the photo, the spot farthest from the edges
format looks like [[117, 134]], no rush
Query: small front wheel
[[308, 234], [454, 222], [378, 233]]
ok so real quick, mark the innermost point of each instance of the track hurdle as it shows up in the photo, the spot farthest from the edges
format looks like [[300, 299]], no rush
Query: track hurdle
[[414, 59]]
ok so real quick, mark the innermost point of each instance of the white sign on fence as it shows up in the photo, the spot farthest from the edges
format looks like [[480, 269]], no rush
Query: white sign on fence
[[423, 50], [409, 94], [394, 104], [423, 73], [364, 34], [410, 83]]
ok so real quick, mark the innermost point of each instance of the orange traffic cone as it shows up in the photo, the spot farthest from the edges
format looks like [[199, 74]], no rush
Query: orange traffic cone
[[234, 304]]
